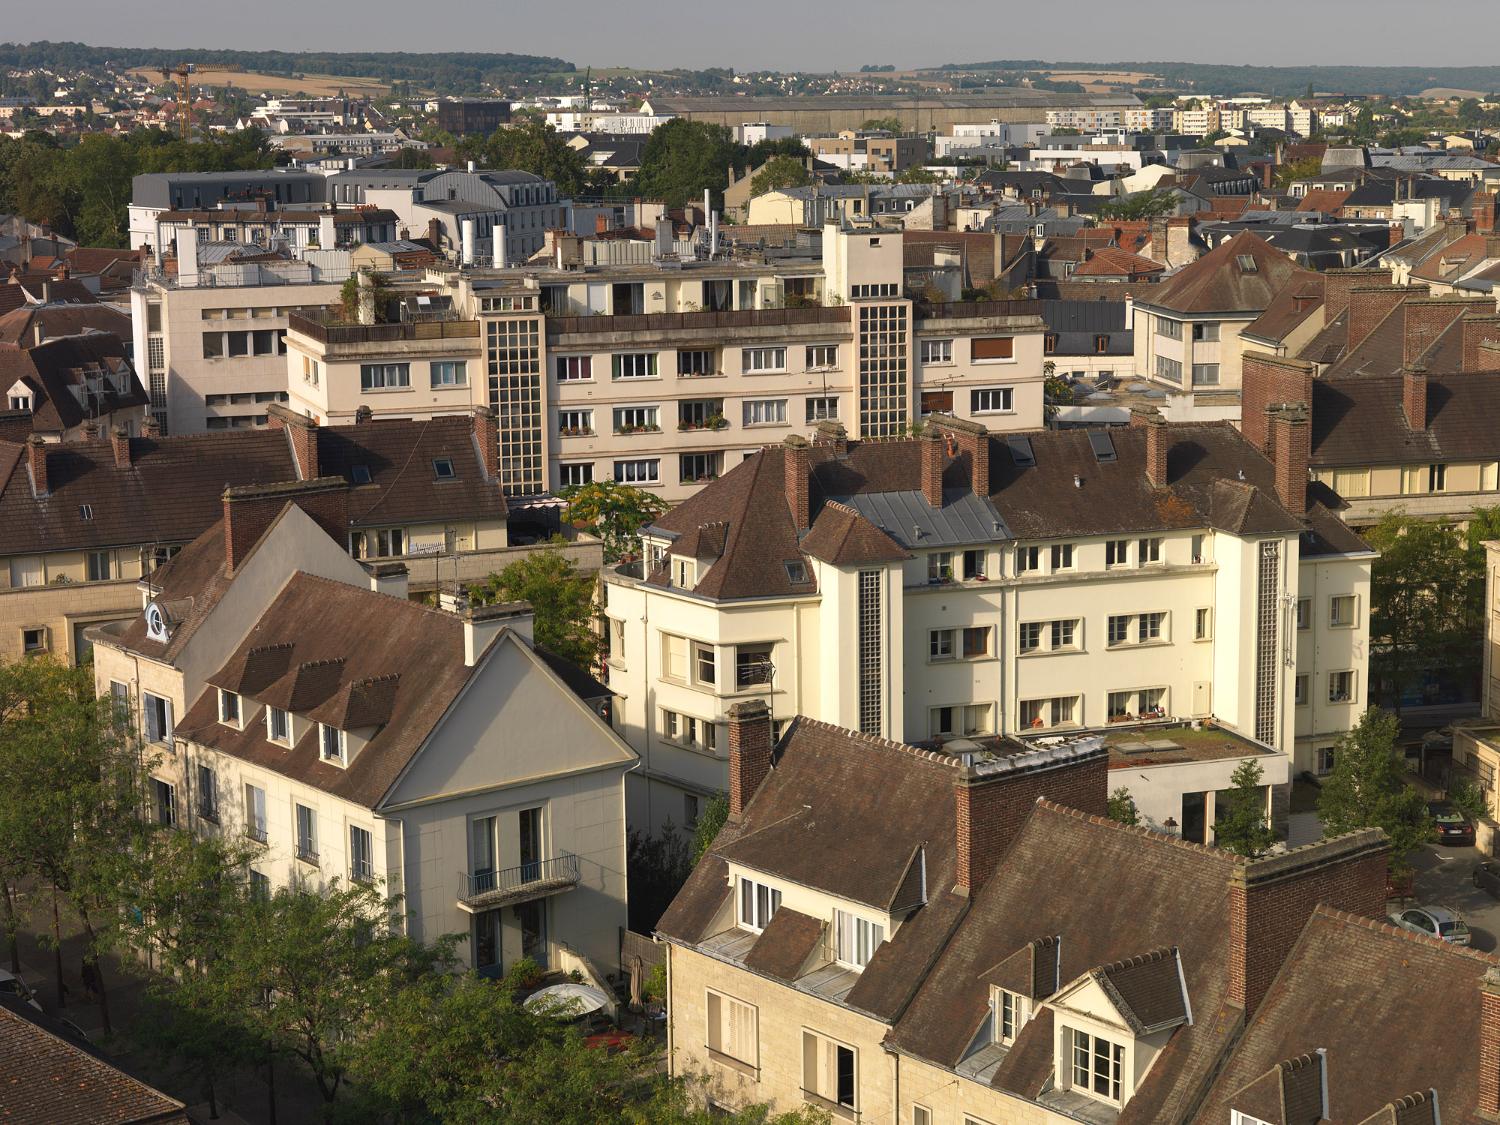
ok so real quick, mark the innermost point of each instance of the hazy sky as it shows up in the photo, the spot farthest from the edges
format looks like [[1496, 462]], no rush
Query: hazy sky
[[798, 34]]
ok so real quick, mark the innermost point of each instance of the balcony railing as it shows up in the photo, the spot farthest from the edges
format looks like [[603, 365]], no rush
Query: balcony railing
[[487, 889], [327, 333]]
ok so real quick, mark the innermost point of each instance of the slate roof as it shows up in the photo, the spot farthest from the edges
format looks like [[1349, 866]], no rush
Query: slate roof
[[53, 1078], [843, 537], [1146, 990], [784, 947], [18, 327], [1298, 300], [1347, 984], [1361, 420], [1218, 282], [94, 361]]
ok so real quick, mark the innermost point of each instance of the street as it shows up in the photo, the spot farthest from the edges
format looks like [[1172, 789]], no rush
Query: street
[[1443, 879]]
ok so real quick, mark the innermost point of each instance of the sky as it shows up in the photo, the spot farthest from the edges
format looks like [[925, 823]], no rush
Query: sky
[[796, 34]]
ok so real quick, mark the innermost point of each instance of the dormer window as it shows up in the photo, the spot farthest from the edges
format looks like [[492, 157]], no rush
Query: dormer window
[[331, 743], [758, 903], [1096, 1065], [229, 708], [278, 726], [442, 468], [796, 571], [684, 573], [1012, 1010], [856, 939]]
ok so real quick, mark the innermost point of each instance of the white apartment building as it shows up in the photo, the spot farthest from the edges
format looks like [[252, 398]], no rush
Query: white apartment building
[[963, 585], [667, 377]]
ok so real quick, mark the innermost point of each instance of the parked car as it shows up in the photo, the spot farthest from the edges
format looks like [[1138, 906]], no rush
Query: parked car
[[12, 985], [1434, 921], [1453, 828], [1487, 876]]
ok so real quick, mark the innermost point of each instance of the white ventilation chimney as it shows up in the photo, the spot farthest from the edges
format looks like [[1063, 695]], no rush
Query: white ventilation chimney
[[471, 166], [187, 258], [468, 242]]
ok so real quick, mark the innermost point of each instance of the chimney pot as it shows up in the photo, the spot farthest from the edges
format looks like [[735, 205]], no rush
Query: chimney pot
[[1291, 440], [832, 434], [119, 441], [750, 752], [36, 459]]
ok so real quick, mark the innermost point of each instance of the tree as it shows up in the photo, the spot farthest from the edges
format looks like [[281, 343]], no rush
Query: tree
[[883, 125], [612, 511], [529, 144], [656, 867], [1243, 829], [1120, 806], [780, 172], [711, 818], [1468, 798], [1420, 591], [1141, 205], [1368, 789], [917, 174], [1303, 169], [682, 158], [561, 596]]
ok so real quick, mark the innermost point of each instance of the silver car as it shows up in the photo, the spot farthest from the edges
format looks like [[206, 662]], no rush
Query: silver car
[[1434, 921]]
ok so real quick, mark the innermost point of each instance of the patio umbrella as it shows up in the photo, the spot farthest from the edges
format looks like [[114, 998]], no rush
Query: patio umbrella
[[567, 1001]]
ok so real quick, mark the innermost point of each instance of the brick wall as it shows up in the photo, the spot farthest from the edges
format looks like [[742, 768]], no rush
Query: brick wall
[[1425, 322], [251, 509], [1338, 283], [1291, 445], [1477, 330], [1368, 306], [795, 465], [1489, 1042], [1265, 380], [932, 467], [749, 751]]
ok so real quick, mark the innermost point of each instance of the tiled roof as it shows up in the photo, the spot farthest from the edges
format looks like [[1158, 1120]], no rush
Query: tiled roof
[[843, 537], [18, 327], [1114, 262], [1346, 983], [1361, 420], [48, 1077], [55, 367], [784, 947], [1223, 280], [1298, 300], [1324, 200], [1146, 990]]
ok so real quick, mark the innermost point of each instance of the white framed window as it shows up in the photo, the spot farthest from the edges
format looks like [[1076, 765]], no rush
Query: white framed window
[[733, 1028], [331, 744], [384, 376], [689, 730], [646, 470], [207, 782], [759, 361], [34, 640], [361, 854], [1341, 687], [940, 566], [1064, 634], [764, 411], [758, 903], [381, 543], [1028, 559], [1148, 552], [1150, 627], [974, 564], [449, 373], [1118, 629], [229, 708], [823, 408], [1341, 611], [856, 939], [164, 803], [1304, 613], [575, 473], [1299, 690], [976, 641], [637, 419], [1012, 1010], [255, 812], [1062, 556], [1323, 760], [992, 400], [1206, 331], [1057, 711], [921, 1115], [574, 368], [307, 833], [575, 423], [698, 362], [157, 715], [705, 664], [633, 365], [674, 657], [830, 1070], [821, 357], [1097, 1065], [936, 351], [1168, 370], [1030, 636], [1203, 623], [1170, 329], [100, 566], [1117, 552], [940, 644], [1205, 374]]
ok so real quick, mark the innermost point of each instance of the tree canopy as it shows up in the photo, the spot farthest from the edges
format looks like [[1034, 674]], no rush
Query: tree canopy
[[780, 172], [1141, 205], [612, 511], [683, 157], [561, 596], [1368, 788], [529, 144]]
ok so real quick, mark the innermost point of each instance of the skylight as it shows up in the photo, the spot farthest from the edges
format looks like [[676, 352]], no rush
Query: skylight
[[443, 468], [361, 474], [1020, 451], [86, 511], [1102, 445], [1247, 263]]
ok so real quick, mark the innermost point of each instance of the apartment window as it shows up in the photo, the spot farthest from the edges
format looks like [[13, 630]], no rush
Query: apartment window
[[752, 665], [1031, 636], [645, 471], [1340, 687], [449, 373], [687, 730], [758, 361], [732, 1028], [695, 468], [937, 351], [384, 376], [34, 640], [1170, 329], [1199, 549], [1206, 332], [1012, 1012], [331, 742], [829, 1070], [1304, 613], [1117, 552], [696, 363], [1168, 370], [1028, 559], [940, 644], [704, 659], [260, 886], [940, 566], [1149, 627], [574, 368], [1150, 552], [1299, 690], [992, 348], [1203, 623], [164, 803], [27, 572], [1064, 634], [856, 938], [758, 903], [637, 419], [307, 834], [822, 409], [992, 400], [1062, 556], [1323, 760], [574, 474], [976, 642], [100, 566], [1097, 1065], [822, 356], [255, 812], [764, 411], [633, 365], [1062, 710], [921, 1115], [229, 708], [700, 414], [1119, 629], [690, 810], [575, 423], [1341, 611], [1205, 374], [158, 716], [385, 542], [974, 564], [361, 854], [208, 793]]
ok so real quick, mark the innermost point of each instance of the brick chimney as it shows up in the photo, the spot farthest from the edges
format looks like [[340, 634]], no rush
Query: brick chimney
[[1489, 1041], [250, 509], [1428, 319], [1265, 380], [1477, 330], [833, 435], [487, 438], [1369, 305], [750, 750], [1291, 442], [993, 800], [1414, 396], [797, 473], [119, 443], [151, 428], [36, 461], [932, 453], [1271, 899], [302, 432], [1338, 283], [972, 442], [1397, 233], [362, 415], [1484, 212], [1487, 356], [1149, 418]]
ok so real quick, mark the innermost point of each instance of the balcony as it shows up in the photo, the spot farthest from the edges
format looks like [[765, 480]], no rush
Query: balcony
[[488, 890], [330, 333]]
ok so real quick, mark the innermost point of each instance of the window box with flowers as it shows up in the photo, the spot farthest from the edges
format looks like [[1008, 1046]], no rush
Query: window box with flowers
[[630, 429], [714, 422], [576, 431]]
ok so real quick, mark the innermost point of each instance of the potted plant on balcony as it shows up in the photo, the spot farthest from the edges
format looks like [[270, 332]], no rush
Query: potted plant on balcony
[[716, 422]]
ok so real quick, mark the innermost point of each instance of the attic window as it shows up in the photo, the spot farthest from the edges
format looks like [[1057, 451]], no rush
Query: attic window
[[1103, 446], [796, 570], [443, 468], [361, 474], [1101, 344], [1246, 263], [86, 511]]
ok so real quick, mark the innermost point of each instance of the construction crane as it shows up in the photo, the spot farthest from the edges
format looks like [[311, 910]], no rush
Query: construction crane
[[184, 98]]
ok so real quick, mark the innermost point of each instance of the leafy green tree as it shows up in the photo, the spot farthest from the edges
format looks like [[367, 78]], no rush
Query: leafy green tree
[[711, 818], [1420, 607], [883, 125], [916, 174], [612, 511], [1368, 789], [561, 596], [1141, 205], [529, 144], [1120, 806], [1468, 798], [1297, 170], [780, 172], [682, 158], [1244, 829], [656, 867]]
